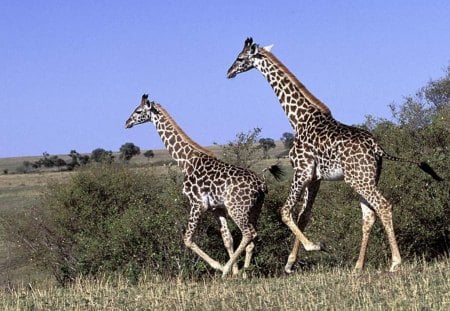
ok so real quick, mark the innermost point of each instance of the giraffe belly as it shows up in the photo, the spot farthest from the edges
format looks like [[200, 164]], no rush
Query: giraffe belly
[[211, 201], [334, 173]]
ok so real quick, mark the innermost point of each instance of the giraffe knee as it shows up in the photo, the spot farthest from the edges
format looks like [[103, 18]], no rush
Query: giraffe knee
[[250, 247], [228, 242], [286, 215], [187, 241]]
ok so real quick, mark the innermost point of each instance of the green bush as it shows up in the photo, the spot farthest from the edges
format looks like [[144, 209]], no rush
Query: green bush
[[108, 218]]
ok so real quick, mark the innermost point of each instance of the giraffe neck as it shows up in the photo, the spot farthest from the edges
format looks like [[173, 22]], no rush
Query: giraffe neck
[[180, 146], [294, 97]]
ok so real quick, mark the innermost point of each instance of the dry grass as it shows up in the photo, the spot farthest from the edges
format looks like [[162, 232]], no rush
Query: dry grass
[[416, 286]]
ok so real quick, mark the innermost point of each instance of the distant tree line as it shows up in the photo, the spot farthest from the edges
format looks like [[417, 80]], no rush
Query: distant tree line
[[98, 155]]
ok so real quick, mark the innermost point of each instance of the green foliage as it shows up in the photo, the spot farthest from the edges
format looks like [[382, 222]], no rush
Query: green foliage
[[129, 150], [48, 161], [107, 219], [288, 140], [266, 144], [76, 160], [149, 154], [101, 155], [243, 151]]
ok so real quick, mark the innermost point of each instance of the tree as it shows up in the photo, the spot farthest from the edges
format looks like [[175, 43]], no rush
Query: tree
[[76, 159], [243, 151], [129, 150], [149, 154], [288, 140], [266, 144], [101, 155]]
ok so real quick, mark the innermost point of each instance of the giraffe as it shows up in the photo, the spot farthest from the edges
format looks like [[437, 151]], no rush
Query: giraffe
[[210, 185], [324, 149]]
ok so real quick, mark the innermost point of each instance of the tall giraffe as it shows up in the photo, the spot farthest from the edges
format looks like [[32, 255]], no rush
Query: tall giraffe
[[324, 149], [210, 185]]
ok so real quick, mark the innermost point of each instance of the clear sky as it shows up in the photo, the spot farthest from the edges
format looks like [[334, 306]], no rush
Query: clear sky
[[71, 72]]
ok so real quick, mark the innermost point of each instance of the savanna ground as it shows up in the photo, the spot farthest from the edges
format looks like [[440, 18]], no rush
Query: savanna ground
[[416, 286]]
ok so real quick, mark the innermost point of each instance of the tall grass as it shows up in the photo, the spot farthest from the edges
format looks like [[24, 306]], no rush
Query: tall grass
[[417, 286]]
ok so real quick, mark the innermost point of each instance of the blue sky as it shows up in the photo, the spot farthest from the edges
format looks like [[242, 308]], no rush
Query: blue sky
[[71, 72]]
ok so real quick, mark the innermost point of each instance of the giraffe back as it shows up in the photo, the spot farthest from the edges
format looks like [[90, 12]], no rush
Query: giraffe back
[[218, 183]]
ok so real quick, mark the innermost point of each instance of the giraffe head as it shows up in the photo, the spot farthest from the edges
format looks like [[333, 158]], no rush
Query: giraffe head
[[145, 112], [246, 58]]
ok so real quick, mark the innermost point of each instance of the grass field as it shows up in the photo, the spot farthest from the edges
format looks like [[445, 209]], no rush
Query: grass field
[[416, 286]]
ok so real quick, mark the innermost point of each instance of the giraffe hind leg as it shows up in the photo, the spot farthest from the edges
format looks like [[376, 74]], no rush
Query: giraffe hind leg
[[248, 257], [368, 219], [247, 237], [383, 209], [245, 218], [226, 237]]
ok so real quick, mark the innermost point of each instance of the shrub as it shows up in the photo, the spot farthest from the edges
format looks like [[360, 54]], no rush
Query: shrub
[[107, 218]]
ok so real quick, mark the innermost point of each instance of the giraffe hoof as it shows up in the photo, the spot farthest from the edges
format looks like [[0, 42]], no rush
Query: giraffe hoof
[[288, 268], [226, 270], [323, 247], [394, 267]]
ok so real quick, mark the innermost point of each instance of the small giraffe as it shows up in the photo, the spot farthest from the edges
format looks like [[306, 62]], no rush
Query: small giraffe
[[210, 185], [324, 149]]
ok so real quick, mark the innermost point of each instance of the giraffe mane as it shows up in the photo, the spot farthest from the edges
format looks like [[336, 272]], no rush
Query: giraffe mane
[[182, 133], [313, 99]]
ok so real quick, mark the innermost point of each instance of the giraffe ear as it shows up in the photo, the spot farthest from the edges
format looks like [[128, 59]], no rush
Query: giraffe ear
[[144, 99], [268, 48]]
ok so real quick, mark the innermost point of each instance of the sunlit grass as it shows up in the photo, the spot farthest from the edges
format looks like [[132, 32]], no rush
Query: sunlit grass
[[417, 286]]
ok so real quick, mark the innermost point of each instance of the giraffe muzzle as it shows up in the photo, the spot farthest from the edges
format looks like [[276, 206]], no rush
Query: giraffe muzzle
[[231, 73], [129, 124]]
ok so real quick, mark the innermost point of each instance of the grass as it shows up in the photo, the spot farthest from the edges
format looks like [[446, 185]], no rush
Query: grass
[[416, 286]]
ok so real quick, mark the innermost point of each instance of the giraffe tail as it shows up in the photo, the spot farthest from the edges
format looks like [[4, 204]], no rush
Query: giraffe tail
[[276, 171], [422, 165]]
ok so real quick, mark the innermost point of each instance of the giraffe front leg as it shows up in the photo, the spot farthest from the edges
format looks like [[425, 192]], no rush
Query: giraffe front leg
[[303, 218], [286, 213], [196, 210]]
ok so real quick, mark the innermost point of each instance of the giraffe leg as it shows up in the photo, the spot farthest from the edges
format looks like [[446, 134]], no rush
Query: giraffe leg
[[226, 236], [286, 213], [196, 210], [383, 209], [368, 218], [303, 218], [247, 237], [248, 257]]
